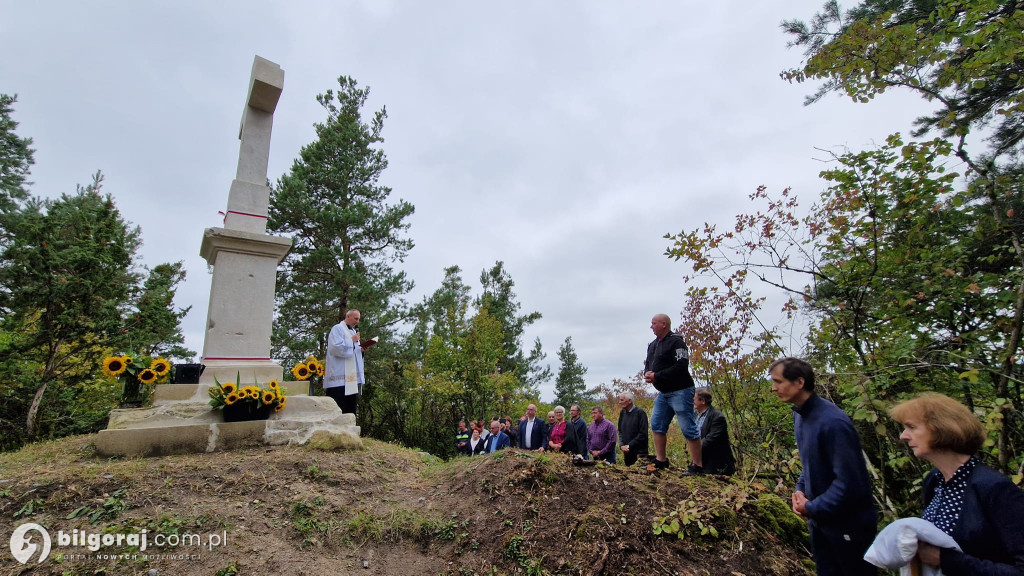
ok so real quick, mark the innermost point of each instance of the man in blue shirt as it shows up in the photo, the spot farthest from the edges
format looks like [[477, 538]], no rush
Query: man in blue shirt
[[833, 491], [498, 440]]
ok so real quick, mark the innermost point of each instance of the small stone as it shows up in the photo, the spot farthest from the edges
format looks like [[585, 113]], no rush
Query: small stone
[[152, 572], [366, 564], [108, 476], [422, 499]]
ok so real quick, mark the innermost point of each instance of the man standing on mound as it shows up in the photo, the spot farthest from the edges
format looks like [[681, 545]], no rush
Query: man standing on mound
[[343, 375], [668, 368]]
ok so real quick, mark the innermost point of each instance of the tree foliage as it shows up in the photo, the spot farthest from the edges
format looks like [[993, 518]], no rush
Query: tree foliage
[[66, 276], [499, 300], [455, 365], [904, 282], [963, 55], [347, 236], [570, 386], [69, 295], [16, 158], [155, 328]]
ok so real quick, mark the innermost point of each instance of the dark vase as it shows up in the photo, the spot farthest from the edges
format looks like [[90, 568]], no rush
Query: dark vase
[[131, 392], [187, 373], [246, 411]]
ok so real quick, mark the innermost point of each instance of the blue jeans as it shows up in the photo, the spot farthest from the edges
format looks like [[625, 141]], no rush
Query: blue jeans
[[678, 404]]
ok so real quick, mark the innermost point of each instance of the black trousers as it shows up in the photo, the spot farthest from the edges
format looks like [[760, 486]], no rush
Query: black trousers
[[842, 554], [347, 403]]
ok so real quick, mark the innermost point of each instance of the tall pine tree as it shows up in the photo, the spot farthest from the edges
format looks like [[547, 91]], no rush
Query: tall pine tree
[[499, 300], [570, 388], [347, 236]]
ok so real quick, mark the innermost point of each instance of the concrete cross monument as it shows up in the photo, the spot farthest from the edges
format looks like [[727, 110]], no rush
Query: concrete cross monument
[[244, 258]]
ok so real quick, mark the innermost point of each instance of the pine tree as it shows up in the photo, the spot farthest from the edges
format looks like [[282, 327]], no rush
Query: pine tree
[[66, 276], [570, 388], [155, 328], [346, 235], [500, 301], [15, 158]]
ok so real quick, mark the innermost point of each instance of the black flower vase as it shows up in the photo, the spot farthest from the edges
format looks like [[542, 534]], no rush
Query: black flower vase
[[131, 393], [246, 412]]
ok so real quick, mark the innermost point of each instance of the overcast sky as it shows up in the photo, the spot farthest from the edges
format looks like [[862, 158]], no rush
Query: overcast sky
[[563, 138]]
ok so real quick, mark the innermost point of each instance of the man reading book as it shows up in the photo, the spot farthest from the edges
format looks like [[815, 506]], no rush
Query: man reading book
[[343, 377]]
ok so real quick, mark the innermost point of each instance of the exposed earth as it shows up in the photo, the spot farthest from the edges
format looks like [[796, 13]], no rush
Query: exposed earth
[[390, 510]]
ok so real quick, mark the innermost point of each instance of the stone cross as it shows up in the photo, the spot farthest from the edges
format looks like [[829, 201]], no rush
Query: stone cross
[[243, 256], [249, 196]]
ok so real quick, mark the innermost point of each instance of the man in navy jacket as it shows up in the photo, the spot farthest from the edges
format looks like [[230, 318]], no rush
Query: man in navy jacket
[[533, 433], [834, 491]]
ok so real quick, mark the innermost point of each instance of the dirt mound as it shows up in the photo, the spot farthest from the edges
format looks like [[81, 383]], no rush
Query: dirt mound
[[388, 510]]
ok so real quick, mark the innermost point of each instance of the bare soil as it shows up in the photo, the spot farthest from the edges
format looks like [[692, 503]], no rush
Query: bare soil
[[389, 510]]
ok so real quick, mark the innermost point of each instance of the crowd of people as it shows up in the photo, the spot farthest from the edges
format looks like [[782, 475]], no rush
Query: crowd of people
[[970, 519], [971, 514]]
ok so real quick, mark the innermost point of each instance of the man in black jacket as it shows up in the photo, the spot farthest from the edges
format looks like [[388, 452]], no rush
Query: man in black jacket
[[715, 449], [578, 434], [668, 368], [632, 429]]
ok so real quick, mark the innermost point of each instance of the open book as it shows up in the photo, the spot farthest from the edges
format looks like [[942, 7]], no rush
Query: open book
[[367, 343]]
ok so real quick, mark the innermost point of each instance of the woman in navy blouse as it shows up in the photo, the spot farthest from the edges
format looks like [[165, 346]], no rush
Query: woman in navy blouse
[[980, 508]]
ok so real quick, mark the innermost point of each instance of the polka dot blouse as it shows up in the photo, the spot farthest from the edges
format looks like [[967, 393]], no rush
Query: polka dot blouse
[[944, 509]]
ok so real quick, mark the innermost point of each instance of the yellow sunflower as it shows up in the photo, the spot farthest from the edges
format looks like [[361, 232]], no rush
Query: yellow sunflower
[[231, 399], [229, 388], [147, 376], [274, 385], [268, 397], [113, 366], [301, 371], [160, 366], [127, 360], [280, 406], [320, 370]]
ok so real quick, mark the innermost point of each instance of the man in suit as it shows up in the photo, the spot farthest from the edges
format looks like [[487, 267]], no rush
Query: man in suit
[[533, 432], [498, 440], [714, 436]]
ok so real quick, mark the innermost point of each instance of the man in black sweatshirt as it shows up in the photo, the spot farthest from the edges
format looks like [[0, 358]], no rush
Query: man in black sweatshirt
[[668, 368]]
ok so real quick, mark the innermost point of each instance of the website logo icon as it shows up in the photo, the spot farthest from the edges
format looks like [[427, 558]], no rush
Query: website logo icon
[[22, 546]]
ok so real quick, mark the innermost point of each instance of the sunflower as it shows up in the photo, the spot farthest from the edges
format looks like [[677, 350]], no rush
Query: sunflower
[[127, 360], [313, 365], [113, 366], [147, 376], [268, 397], [229, 388], [231, 399], [280, 405], [320, 370], [301, 371], [160, 366], [274, 385]]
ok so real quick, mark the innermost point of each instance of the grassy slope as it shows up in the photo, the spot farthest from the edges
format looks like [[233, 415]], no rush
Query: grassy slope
[[294, 510]]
